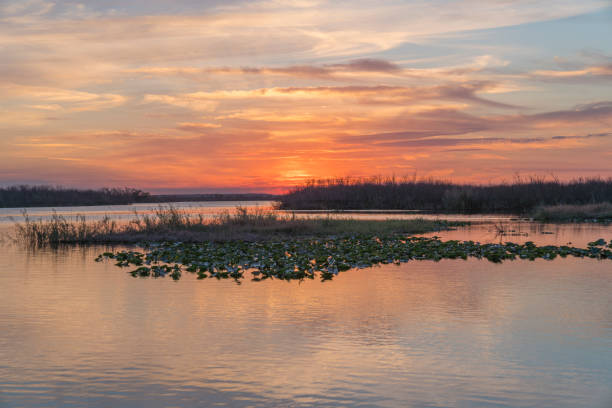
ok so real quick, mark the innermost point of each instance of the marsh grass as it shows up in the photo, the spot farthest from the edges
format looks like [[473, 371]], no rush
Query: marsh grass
[[601, 212], [168, 223], [59, 229]]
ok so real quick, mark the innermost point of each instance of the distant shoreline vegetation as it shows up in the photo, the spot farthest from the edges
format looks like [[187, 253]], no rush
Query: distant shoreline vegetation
[[522, 196], [50, 196], [173, 198], [543, 199]]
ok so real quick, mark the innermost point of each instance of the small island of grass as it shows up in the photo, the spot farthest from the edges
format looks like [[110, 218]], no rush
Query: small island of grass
[[168, 223], [267, 245]]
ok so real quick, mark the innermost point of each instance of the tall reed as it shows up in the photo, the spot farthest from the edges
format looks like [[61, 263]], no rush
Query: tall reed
[[59, 229]]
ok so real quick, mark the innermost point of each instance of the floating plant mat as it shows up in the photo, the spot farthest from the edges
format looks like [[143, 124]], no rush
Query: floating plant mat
[[305, 258]]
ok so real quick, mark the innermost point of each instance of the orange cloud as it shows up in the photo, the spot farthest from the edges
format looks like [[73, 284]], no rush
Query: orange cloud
[[588, 72], [269, 93]]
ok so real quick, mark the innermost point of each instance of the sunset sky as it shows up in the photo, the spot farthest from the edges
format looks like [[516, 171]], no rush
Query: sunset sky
[[203, 96]]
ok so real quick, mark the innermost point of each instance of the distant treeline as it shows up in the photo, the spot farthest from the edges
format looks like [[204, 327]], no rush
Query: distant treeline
[[169, 198], [520, 196], [48, 196]]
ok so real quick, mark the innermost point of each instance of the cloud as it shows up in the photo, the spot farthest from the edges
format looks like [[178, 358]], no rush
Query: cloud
[[352, 70], [197, 127], [329, 71], [429, 129], [25, 8], [425, 125], [588, 136], [367, 65], [600, 72], [113, 39], [305, 71], [443, 142], [57, 99], [581, 113], [236, 91], [361, 94], [189, 101]]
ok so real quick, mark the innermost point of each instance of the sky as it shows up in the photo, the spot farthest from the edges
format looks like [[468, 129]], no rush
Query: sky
[[241, 96]]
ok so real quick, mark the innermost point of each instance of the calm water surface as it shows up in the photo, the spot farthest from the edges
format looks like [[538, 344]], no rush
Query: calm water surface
[[211, 208], [455, 333]]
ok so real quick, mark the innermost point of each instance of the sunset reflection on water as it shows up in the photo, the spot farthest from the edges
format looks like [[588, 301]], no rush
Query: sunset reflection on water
[[451, 333]]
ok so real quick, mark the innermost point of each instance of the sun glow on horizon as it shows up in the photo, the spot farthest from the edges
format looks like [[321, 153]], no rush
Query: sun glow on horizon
[[261, 96]]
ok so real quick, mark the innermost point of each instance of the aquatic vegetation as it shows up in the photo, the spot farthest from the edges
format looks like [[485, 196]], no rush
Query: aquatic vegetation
[[168, 223], [307, 258]]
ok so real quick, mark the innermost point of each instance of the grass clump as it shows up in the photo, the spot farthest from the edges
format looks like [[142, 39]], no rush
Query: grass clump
[[306, 258], [171, 224], [59, 229], [601, 212]]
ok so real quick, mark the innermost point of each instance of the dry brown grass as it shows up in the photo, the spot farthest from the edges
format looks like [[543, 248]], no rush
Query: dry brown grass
[[171, 224]]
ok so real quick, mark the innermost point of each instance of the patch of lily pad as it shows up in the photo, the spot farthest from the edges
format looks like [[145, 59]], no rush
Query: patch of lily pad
[[307, 258]]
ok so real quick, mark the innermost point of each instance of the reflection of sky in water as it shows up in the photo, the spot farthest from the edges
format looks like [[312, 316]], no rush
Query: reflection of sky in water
[[453, 333], [520, 231], [123, 212], [210, 208], [484, 228]]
